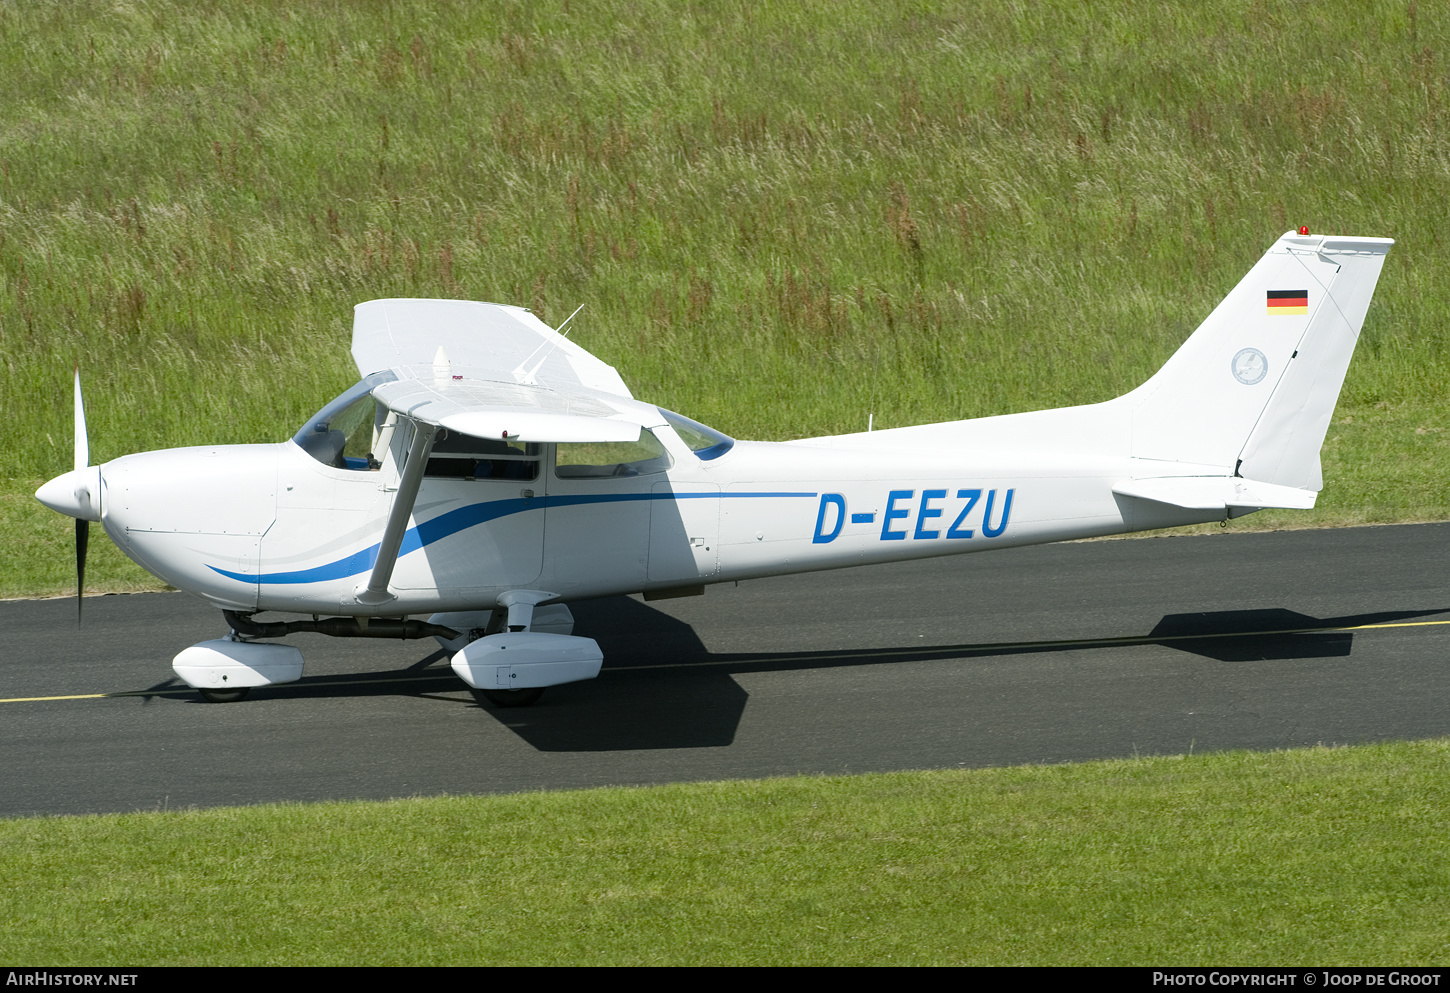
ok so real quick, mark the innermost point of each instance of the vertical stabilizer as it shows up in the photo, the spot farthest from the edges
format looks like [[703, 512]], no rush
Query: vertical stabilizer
[[1284, 446], [1259, 378]]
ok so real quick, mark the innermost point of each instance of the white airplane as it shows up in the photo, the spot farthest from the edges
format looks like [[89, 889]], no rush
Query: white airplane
[[486, 470]]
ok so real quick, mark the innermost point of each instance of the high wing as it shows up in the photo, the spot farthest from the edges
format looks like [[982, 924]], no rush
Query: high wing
[[487, 371], [481, 340]]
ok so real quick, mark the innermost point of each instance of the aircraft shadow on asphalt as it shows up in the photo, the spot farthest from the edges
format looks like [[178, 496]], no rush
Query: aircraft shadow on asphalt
[[699, 704], [1267, 635]]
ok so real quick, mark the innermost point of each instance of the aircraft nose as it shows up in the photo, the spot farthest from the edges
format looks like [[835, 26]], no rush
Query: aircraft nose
[[76, 494]]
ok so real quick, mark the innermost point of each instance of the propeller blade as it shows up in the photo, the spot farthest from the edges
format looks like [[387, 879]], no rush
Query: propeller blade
[[83, 446], [83, 535], [83, 528]]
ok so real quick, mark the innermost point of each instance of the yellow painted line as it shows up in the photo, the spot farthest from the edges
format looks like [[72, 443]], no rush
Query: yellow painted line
[[37, 699], [182, 690], [844, 656], [318, 683]]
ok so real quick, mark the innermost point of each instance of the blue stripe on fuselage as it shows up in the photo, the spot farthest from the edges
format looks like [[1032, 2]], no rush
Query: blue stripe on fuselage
[[461, 519]]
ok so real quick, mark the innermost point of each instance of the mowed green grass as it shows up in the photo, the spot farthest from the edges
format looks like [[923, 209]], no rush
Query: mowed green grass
[[1318, 856], [781, 218]]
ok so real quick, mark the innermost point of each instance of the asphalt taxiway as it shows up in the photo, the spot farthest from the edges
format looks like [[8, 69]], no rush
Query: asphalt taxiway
[[1048, 654]]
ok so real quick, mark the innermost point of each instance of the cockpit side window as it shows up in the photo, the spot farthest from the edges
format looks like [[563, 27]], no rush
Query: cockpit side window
[[598, 459], [461, 456], [344, 434], [705, 442]]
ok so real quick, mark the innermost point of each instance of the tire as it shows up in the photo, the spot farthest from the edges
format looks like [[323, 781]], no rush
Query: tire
[[224, 696], [511, 698]]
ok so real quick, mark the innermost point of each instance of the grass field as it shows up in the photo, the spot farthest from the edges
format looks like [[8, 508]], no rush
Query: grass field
[[780, 217], [1312, 857]]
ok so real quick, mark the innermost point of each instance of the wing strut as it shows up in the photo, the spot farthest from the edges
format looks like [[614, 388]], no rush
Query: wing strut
[[376, 591]]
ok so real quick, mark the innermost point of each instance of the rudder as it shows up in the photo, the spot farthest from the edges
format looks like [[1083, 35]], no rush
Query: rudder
[[1284, 446]]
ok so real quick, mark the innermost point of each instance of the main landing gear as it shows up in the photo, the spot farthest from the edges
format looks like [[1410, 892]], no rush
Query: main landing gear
[[511, 698], [223, 696], [520, 649], [507, 655]]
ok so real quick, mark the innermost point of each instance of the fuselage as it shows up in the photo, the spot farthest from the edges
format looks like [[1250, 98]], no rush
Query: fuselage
[[271, 527]]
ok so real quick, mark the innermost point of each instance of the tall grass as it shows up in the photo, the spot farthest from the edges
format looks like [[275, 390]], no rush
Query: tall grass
[[779, 217]]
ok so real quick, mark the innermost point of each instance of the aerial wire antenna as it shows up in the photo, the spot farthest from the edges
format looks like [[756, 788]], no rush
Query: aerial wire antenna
[[526, 376], [560, 328], [871, 410]]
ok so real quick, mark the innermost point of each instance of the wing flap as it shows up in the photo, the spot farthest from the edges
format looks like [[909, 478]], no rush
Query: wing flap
[[531, 425], [505, 410]]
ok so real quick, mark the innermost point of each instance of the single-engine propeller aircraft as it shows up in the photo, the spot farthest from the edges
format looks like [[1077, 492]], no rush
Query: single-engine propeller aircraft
[[486, 470]]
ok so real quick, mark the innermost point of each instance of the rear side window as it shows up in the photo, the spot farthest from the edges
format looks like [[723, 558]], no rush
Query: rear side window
[[705, 442], [600, 459]]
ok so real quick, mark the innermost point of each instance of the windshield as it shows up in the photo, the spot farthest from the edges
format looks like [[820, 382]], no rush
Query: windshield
[[343, 433], [705, 442]]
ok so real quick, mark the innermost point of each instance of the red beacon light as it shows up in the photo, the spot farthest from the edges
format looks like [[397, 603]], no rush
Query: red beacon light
[[1303, 229]]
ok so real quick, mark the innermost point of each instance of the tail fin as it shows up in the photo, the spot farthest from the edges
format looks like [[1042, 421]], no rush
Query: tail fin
[[1253, 389]]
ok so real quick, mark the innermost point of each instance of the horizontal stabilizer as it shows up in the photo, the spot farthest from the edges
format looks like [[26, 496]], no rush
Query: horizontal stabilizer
[[1216, 493]]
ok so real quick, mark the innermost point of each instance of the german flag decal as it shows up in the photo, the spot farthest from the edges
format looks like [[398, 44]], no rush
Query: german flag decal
[[1288, 302]]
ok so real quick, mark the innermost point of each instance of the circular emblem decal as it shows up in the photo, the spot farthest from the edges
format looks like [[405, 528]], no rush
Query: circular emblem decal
[[1249, 366]]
